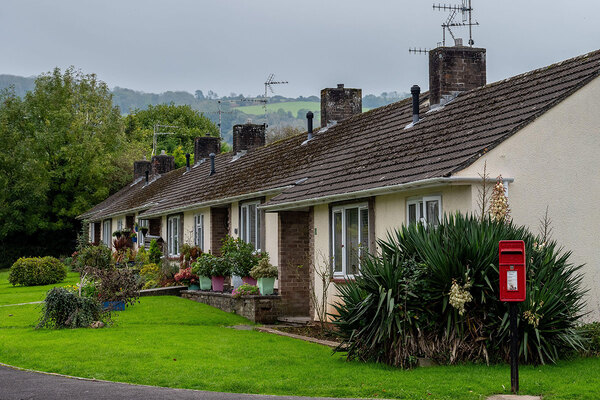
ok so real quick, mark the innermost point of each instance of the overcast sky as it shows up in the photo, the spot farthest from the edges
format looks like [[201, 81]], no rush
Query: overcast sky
[[233, 45]]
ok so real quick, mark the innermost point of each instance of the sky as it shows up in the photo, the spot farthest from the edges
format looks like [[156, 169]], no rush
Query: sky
[[231, 46]]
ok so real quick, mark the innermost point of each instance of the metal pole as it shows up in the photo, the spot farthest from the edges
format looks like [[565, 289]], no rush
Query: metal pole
[[514, 349]]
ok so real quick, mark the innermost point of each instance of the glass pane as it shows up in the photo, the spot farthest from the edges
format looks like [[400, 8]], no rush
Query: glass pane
[[244, 224], [412, 213], [337, 241], [252, 224], [352, 241], [433, 212]]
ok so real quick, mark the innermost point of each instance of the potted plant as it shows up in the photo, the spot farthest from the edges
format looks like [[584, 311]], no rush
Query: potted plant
[[221, 269], [203, 267], [144, 230], [242, 257], [117, 234], [265, 274], [116, 288], [187, 278], [126, 233], [133, 236]]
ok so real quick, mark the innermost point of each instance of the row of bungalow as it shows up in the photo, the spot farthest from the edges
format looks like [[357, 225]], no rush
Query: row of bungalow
[[319, 199]]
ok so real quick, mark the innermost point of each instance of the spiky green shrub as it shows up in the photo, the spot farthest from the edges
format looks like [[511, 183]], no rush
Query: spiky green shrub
[[65, 309], [435, 293]]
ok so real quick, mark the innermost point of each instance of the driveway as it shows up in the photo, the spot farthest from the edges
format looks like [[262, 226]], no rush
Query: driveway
[[16, 384]]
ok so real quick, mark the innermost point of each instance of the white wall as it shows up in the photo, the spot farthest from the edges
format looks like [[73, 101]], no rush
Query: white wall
[[555, 162]]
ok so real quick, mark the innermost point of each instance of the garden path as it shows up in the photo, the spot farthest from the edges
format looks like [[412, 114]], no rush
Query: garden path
[[17, 384]]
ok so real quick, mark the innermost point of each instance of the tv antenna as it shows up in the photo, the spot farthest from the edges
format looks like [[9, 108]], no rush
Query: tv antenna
[[269, 88], [157, 132], [466, 11], [414, 50], [220, 111]]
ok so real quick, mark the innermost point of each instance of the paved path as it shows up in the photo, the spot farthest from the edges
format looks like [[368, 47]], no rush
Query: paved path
[[18, 384], [21, 304]]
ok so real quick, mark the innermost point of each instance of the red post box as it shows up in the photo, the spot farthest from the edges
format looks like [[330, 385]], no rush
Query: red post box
[[512, 270]]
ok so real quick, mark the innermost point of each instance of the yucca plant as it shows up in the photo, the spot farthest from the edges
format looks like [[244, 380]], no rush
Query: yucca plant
[[453, 311]]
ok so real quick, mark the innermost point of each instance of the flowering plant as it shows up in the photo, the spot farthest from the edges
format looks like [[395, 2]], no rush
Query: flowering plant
[[186, 277], [245, 290]]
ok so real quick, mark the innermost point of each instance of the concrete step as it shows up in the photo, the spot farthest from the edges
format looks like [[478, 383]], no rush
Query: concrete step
[[295, 320]]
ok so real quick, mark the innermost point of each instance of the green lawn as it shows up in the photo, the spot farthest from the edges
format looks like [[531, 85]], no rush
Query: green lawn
[[10, 294], [169, 341]]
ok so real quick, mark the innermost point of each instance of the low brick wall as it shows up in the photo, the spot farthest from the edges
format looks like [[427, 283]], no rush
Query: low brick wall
[[163, 291], [261, 309]]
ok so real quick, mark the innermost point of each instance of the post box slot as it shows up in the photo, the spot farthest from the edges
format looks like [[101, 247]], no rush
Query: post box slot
[[511, 251]]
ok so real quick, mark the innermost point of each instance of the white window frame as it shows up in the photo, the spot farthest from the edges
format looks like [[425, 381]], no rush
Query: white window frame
[[199, 230], [141, 238], [173, 235], [106, 232], [421, 202], [362, 246], [245, 228], [119, 224]]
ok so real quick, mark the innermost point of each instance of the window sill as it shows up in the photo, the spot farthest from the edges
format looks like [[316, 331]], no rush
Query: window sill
[[340, 279]]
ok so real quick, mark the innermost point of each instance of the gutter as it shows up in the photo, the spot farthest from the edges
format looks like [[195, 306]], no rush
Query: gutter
[[423, 183], [223, 201]]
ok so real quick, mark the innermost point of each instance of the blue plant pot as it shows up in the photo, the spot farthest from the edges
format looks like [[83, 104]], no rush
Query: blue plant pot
[[194, 287], [114, 305]]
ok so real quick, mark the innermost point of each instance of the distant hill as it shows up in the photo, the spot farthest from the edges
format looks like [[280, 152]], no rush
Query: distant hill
[[281, 110]]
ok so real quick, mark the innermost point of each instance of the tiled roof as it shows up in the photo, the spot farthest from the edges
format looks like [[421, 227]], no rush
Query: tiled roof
[[369, 150]]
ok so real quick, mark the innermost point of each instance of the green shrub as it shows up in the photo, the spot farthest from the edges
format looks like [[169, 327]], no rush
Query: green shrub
[[37, 271], [99, 257], [204, 265], [264, 269], [155, 253], [245, 290], [142, 257], [65, 309], [591, 333], [116, 284], [222, 266], [400, 306], [240, 255]]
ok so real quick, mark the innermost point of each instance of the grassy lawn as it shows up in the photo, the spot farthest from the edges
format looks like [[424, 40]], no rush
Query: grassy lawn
[[10, 294], [169, 341]]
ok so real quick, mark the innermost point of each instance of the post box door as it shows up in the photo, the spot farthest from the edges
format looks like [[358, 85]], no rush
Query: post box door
[[512, 270]]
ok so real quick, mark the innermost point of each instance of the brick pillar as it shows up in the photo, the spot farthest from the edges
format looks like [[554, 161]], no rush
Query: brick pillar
[[294, 262], [339, 103], [219, 228]]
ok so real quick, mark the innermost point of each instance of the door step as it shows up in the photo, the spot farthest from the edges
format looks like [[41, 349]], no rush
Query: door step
[[300, 321]]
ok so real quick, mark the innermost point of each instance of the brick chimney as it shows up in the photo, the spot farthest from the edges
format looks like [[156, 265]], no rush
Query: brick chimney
[[453, 70], [205, 145], [339, 103], [248, 136], [140, 168], [163, 163]]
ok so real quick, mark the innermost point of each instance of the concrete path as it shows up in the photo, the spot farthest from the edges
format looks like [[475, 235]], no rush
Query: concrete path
[[16, 384]]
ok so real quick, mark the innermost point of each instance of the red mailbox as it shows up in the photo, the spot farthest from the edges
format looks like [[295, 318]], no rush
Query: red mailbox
[[512, 270]]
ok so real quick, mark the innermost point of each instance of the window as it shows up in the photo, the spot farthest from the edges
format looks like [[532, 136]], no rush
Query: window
[[120, 225], [199, 230], [250, 224], [173, 235], [142, 223], [350, 238], [106, 232], [427, 210]]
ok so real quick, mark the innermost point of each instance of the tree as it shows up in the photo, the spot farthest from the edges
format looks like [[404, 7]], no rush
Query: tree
[[185, 124], [65, 151]]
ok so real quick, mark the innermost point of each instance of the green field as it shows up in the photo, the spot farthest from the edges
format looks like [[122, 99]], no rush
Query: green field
[[173, 342], [293, 106]]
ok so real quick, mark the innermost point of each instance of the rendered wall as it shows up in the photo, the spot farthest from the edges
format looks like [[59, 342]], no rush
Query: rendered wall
[[555, 162]]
